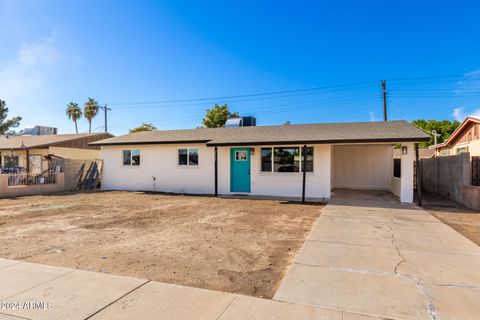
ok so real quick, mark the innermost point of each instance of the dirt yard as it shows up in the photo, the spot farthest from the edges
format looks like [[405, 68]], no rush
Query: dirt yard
[[460, 218], [234, 245]]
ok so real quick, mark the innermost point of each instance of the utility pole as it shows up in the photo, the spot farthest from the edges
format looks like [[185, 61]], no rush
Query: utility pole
[[384, 89], [434, 132], [105, 109]]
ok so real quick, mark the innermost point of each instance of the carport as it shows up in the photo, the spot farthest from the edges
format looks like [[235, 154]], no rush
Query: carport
[[370, 166]]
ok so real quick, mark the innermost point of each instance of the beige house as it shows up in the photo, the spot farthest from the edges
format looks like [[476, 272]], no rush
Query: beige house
[[32, 153], [304, 160], [466, 138]]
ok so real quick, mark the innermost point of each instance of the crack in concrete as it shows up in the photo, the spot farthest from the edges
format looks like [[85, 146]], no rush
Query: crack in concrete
[[431, 309], [459, 286], [378, 273]]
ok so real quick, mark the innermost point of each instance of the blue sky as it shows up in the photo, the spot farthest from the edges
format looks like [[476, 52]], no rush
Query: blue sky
[[135, 55]]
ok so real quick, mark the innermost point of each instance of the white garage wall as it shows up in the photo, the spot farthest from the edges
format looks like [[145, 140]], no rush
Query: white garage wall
[[362, 166], [160, 161]]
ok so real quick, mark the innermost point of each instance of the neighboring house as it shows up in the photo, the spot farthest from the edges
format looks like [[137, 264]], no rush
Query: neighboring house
[[466, 138], [32, 153], [422, 153], [264, 160]]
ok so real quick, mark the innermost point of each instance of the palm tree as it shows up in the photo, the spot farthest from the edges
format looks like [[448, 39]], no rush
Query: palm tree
[[74, 113], [90, 110]]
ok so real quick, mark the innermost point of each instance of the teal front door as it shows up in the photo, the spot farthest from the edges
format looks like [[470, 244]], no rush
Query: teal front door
[[240, 170]]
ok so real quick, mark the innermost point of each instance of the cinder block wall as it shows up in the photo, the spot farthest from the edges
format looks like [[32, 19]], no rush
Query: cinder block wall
[[72, 168], [446, 176]]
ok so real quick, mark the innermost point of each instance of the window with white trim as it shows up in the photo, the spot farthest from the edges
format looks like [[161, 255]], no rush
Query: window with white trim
[[188, 157], [285, 159], [131, 157]]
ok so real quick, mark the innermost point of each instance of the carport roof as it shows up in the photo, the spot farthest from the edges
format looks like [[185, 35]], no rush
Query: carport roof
[[347, 132]]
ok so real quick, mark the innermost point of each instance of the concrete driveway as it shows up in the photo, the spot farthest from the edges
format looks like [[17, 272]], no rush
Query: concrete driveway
[[368, 254]]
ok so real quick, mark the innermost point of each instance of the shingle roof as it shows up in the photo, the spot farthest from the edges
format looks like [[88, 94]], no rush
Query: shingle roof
[[21, 142], [389, 131]]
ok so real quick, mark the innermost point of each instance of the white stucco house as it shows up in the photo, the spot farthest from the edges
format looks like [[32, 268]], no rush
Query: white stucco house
[[264, 160]]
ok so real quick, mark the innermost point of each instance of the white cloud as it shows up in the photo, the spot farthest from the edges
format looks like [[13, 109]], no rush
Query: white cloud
[[25, 74], [459, 113], [472, 74], [373, 117], [471, 84], [476, 113]]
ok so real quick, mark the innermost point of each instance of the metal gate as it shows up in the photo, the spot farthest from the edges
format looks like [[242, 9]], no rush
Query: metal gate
[[415, 176], [475, 171]]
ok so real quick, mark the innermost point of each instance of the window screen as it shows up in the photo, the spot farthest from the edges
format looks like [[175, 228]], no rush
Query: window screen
[[127, 155], [266, 159], [193, 157], [183, 157]]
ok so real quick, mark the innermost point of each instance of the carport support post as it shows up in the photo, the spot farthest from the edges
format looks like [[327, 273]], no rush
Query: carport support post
[[27, 161], [216, 170], [419, 175], [304, 161]]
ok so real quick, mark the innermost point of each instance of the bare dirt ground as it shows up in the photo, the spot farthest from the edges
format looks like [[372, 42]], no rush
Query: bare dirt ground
[[234, 245], [457, 216]]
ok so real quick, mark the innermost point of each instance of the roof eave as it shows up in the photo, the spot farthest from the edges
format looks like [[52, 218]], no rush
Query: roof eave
[[336, 141], [145, 142]]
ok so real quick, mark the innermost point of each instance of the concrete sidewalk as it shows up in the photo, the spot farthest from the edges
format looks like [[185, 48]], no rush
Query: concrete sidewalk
[[368, 254], [46, 292]]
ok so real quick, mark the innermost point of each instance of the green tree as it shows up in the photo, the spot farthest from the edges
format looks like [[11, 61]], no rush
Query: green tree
[[74, 113], [6, 125], [143, 127], [90, 110], [217, 116], [444, 129]]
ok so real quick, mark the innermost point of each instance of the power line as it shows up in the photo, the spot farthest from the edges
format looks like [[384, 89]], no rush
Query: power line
[[289, 94], [154, 105], [462, 77], [243, 95], [286, 108]]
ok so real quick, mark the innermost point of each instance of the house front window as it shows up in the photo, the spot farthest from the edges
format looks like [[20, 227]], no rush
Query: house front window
[[131, 157], [462, 150], [285, 159], [188, 157]]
